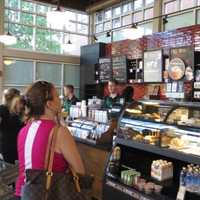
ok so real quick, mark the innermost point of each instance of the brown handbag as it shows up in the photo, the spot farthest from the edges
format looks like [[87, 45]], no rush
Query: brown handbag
[[49, 185]]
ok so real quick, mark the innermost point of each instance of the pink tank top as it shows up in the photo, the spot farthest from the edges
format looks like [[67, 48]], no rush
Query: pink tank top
[[32, 144]]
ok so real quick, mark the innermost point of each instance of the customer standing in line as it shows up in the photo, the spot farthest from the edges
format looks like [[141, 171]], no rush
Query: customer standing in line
[[44, 106], [6, 130], [16, 121]]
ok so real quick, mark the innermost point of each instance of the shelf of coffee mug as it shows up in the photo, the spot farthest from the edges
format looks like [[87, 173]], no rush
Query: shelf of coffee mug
[[189, 158], [132, 192]]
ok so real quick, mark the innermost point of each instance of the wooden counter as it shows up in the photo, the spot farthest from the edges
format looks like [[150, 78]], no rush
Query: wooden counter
[[94, 158]]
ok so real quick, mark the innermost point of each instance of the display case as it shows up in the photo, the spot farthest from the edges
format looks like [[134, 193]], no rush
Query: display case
[[159, 146], [167, 125]]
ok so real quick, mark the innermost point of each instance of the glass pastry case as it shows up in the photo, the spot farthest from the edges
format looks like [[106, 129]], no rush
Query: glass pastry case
[[172, 125]]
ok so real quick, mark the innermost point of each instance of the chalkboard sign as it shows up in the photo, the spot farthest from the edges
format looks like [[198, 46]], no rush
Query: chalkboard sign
[[105, 70], [153, 66], [119, 65]]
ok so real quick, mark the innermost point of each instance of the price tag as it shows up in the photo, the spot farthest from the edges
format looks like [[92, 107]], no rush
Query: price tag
[[181, 193]]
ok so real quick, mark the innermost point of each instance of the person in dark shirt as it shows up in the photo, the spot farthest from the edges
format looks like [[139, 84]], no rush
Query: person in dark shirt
[[69, 97], [8, 127], [113, 97], [127, 95]]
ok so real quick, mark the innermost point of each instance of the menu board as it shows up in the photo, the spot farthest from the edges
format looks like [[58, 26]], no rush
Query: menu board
[[153, 66], [105, 70], [119, 65], [186, 54]]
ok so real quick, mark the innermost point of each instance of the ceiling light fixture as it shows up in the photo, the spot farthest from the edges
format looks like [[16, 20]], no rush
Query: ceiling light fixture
[[134, 26], [95, 38], [8, 62], [8, 38], [108, 34], [165, 21]]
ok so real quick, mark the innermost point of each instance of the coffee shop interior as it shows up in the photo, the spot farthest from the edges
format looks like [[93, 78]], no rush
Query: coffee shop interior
[[127, 73]]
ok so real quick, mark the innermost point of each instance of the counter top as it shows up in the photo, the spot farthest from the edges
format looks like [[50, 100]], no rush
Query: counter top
[[105, 147]]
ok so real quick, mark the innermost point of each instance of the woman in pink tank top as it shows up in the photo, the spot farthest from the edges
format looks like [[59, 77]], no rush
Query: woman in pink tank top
[[43, 107]]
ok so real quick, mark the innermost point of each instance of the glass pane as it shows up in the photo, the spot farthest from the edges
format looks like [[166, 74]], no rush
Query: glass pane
[[71, 26], [99, 28], [148, 13], [116, 23], [147, 28], [127, 20], [198, 17], [149, 2], [41, 21], [12, 3], [48, 41], [26, 18], [187, 4], [119, 35], [170, 7], [107, 14], [24, 36], [49, 72], [99, 17], [107, 26], [138, 16], [83, 18], [41, 9], [103, 38], [82, 29], [70, 15], [55, 42], [127, 7], [19, 73], [72, 75], [12, 16], [138, 4], [27, 6], [178, 22], [42, 40], [116, 11], [77, 42], [198, 2]]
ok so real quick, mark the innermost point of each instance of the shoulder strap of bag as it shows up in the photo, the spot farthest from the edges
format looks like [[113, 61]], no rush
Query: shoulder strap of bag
[[50, 155], [49, 160]]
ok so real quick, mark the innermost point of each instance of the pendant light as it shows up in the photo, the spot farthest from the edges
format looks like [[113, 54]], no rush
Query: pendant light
[[8, 38]]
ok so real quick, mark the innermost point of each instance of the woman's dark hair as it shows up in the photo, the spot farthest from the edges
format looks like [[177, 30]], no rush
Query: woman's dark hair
[[128, 93], [9, 94], [36, 97]]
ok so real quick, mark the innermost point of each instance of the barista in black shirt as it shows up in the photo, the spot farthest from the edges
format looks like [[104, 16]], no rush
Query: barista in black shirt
[[113, 97], [127, 95]]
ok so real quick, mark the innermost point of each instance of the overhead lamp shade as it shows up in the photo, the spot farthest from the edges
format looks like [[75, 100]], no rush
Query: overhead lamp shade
[[8, 39]]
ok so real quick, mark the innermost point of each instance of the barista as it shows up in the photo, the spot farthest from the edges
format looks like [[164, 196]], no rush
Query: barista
[[113, 97], [127, 95], [69, 97]]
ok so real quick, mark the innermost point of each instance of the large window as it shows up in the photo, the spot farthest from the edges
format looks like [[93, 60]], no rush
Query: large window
[[123, 14], [27, 20], [20, 73], [182, 18]]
